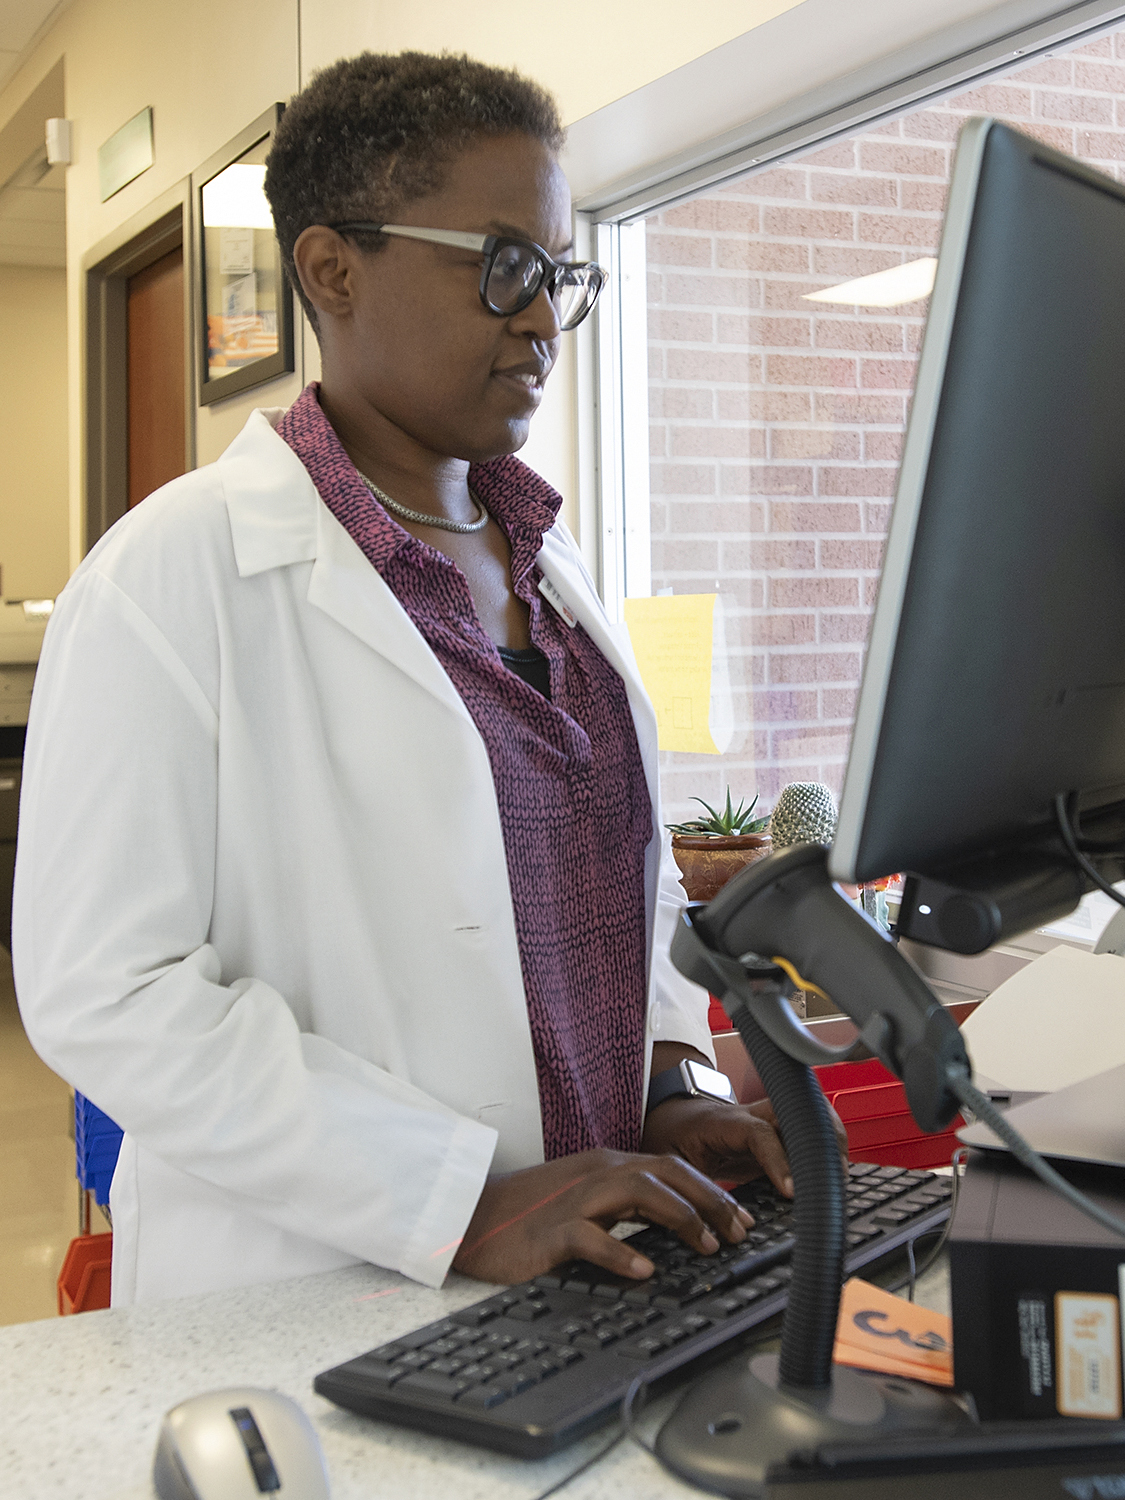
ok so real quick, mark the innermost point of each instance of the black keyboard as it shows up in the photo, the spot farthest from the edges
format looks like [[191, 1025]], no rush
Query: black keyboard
[[530, 1369]]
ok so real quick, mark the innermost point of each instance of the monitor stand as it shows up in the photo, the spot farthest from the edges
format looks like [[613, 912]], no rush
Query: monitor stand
[[736, 1425]]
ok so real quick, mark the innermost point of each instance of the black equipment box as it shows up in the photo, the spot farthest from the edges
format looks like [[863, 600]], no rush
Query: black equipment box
[[1038, 1290]]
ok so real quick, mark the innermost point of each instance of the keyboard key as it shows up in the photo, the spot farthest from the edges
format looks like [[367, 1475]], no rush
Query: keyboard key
[[528, 1312], [860, 1236], [566, 1356], [440, 1347], [608, 1291], [425, 1383], [506, 1360], [598, 1338], [483, 1397], [528, 1348], [892, 1216], [887, 1174], [696, 1322], [862, 1168], [379, 1373], [473, 1317], [417, 1359], [651, 1343], [523, 1378]]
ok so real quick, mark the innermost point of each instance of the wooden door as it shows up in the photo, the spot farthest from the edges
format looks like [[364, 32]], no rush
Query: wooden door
[[155, 317]]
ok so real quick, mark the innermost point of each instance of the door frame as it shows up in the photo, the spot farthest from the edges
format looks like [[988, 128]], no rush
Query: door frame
[[160, 227]]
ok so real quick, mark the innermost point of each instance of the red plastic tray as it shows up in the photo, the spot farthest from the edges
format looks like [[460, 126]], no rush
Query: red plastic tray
[[871, 1102], [83, 1284]]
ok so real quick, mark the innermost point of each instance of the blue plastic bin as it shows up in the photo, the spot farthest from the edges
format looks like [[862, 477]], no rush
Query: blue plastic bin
[[97, 1143]]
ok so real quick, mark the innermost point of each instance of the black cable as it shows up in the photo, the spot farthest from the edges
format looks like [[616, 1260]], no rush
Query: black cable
[[629, 1419], [984, 1109], [958, 1159], [595, 1457], [1066, 807]]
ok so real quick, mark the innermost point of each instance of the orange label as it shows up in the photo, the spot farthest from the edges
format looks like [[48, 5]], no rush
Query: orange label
[[878, 1331]]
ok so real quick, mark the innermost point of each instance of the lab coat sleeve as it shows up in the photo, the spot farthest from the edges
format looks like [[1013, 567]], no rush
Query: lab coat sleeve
[[122, 994], [678, 1008]]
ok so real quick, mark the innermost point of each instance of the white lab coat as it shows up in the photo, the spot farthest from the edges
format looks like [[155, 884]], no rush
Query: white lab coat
[[262, 915]]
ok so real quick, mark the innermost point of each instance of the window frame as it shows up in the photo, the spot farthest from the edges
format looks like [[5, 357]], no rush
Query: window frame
[[613, 469]]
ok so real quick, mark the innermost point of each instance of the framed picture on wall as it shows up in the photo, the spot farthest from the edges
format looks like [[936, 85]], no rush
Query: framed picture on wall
[[245, 303]]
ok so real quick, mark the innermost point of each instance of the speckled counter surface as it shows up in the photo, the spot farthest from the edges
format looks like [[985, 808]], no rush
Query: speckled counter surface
[[81, 1398]]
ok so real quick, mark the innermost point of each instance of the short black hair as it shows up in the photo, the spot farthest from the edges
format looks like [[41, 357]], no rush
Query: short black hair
[[373, 132]]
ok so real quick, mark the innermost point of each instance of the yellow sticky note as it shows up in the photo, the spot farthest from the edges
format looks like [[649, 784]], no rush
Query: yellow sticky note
[[673, 638]]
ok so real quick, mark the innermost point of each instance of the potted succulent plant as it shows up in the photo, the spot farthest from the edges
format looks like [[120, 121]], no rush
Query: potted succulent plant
[[710, 850]]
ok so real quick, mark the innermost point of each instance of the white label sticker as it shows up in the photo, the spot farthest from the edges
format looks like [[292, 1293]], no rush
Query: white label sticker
[[555, 600], [1087, 1355]]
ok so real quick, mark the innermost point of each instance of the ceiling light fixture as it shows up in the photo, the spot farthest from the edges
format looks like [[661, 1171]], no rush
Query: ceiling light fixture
[[891, 288]]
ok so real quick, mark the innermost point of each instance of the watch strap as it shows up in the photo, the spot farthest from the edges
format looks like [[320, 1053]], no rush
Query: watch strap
[[676, 1083]]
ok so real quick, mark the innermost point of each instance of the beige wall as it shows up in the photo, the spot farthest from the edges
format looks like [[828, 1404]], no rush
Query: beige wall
[[208, 67], [33, 476], [587, 54]]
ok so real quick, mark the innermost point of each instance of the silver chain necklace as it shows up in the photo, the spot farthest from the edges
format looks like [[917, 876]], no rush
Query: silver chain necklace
[[421, 518]]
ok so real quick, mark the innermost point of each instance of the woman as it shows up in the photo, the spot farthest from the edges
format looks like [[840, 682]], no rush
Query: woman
[[340, 879]]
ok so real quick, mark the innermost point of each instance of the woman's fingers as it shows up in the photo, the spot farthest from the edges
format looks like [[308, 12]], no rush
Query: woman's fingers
[[520, 1231], [670, 1192]]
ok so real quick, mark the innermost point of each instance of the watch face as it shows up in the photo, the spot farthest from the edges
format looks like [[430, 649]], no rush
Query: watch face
[[710, 1081]]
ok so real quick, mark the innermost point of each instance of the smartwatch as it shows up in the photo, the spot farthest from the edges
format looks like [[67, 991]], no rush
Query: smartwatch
[[690, 1080]]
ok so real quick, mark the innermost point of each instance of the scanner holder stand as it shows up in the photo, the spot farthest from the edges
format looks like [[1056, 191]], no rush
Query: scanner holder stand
[[734, 1430]]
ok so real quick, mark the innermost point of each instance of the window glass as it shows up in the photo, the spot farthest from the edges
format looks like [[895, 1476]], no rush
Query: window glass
[[776, 422]]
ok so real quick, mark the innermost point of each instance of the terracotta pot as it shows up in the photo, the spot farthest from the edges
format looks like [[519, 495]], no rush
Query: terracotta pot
[[706, 864]]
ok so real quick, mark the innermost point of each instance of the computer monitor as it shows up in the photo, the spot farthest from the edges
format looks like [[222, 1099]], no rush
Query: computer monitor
[[995, 671], [994, 687]]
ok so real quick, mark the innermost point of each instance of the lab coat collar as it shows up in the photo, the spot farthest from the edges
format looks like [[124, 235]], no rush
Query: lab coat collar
[[277, 518], [271, 500]]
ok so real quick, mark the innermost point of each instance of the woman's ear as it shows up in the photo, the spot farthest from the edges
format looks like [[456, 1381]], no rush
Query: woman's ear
[[326, 265]]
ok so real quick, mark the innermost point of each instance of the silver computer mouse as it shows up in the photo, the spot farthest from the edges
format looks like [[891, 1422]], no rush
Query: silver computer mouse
[[239, 1444]]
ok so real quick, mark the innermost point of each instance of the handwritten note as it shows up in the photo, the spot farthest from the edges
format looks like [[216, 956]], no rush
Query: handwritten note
[[673, 638]]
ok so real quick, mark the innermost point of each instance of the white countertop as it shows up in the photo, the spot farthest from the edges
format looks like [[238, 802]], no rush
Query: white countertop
[[81, 1398]]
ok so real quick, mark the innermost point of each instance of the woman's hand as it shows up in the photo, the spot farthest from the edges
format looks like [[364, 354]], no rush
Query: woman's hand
[[734, 1142], [528, 1221]]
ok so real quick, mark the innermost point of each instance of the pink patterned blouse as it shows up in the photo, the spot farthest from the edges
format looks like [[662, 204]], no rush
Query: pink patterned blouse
[[570, 787]]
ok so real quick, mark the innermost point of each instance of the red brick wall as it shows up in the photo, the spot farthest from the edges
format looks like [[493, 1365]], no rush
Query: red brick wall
[[776, 424]]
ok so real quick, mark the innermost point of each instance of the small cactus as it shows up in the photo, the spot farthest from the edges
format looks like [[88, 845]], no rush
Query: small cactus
[[805, 814]]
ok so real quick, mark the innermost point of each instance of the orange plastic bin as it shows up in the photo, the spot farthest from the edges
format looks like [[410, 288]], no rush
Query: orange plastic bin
[[83, 1284]]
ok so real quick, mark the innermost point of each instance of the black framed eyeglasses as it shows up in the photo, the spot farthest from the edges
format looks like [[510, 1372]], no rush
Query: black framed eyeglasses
[[515, 271]]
